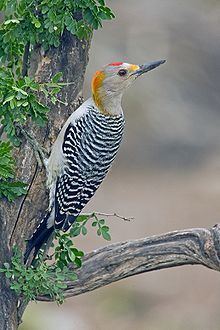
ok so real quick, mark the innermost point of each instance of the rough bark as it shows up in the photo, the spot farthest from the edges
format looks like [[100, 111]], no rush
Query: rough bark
[[8, 301], [198, 246], [18, 219]]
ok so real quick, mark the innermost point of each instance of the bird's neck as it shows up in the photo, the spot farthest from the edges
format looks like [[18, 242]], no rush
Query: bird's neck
[[108, 103]]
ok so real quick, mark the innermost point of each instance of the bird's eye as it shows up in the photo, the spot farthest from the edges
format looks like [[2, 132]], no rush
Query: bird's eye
[[122, 72]]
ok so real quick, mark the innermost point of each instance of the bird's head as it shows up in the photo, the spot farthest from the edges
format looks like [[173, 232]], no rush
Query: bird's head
[[109, 83]]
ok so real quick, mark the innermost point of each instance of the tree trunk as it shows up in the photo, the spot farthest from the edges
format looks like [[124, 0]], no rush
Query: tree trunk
[[8, 309], [8, 301], [18, 219]]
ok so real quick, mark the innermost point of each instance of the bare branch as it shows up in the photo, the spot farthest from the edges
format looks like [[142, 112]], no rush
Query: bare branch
[[116, 215], [198, 246]]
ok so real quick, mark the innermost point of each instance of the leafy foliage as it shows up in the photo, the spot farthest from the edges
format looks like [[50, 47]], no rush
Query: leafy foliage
[[19, 101], [31, 282], [49, 278], [79, 226], [8, 188], [11, 189], [43, 22], [65, 252], [6, 161]]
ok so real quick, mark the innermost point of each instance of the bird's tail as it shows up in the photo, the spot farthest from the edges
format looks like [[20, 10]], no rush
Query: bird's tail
[[39, 237]]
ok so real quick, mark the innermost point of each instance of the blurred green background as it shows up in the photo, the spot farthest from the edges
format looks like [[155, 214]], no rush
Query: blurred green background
[[167, 173]]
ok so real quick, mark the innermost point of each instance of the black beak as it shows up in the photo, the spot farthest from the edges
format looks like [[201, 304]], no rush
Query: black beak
[[148, 67]]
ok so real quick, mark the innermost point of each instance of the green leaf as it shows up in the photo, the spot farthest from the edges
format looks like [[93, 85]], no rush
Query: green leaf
[[20, 90], [45, 9], [25, 104], [16, 287], [84, 230], [8, 99], [102, 2], [61, 285], [57, 77], [88, 15], [80, 253], [78, 262], [63, 256], [69, 243], [14, 21], [106, 236], [36, 22], [6, 161], [2, 270], [60, 264], [11, 190], [71, 255], [75, 231], [105, 228], [82, 217], [105, 13], [8, 274], [72, 276]]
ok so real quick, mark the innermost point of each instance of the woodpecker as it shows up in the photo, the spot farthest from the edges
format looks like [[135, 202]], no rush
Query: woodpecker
[[85, 149]]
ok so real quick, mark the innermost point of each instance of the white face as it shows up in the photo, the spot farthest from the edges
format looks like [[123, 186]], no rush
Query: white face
[[118, 77]]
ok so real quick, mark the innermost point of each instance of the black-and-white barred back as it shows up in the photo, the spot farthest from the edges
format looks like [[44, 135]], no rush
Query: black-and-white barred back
[[89, 148]]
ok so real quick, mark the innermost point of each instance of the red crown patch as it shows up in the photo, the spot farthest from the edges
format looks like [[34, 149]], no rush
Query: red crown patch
[[115, 63]]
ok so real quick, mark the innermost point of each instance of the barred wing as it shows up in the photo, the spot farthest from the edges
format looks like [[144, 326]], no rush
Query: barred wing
[[88, 160]]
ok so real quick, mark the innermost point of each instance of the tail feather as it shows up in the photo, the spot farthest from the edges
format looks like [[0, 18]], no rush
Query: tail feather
[[39, 237]]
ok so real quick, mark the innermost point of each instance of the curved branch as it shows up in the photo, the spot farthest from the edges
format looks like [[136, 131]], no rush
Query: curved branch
[[197, 246]]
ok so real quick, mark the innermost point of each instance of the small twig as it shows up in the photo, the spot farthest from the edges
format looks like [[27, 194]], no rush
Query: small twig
[[51, 84], [66, 83], [62, 102], [110, 215]]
